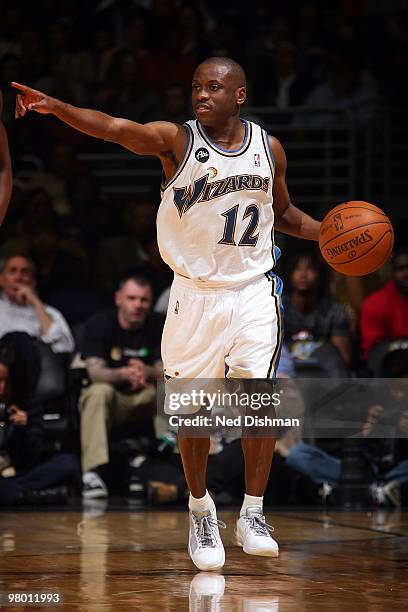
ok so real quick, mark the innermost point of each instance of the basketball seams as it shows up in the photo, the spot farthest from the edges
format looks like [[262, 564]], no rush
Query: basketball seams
[[336, 211], [351, 262], [389, 250], [352, 229]]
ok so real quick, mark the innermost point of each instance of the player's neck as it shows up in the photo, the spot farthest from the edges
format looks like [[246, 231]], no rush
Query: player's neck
[[229, 135]]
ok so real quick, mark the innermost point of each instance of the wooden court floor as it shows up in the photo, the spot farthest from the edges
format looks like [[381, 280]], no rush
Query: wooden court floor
[[121, 560]]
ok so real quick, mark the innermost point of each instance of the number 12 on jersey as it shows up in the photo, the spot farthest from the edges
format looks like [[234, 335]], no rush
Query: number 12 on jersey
[[248, 238]]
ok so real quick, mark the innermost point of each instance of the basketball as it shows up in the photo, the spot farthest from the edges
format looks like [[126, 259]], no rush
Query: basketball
[[356, 238]]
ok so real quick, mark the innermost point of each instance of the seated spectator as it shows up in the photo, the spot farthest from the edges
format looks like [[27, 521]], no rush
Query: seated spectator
[[316, 327], [119, 255], [384, 314], [121, 349], [21, 444], [21, 436], [390, 410], [21, 309]]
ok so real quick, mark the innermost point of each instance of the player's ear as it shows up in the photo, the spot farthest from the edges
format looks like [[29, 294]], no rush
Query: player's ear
[[241, 95], [117, 298]]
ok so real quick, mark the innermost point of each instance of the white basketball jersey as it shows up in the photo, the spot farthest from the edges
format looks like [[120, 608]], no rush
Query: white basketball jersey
[[215, 221]]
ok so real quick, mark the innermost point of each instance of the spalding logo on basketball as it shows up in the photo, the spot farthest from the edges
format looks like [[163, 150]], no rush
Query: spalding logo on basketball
[[356, 238], [202, 155]]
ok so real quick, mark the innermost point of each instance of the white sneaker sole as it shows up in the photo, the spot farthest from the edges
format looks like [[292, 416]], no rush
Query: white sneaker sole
[[259, 552], [208, 567]]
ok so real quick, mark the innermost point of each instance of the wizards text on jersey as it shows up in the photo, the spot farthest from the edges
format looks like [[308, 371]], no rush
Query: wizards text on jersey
[[203, 191]]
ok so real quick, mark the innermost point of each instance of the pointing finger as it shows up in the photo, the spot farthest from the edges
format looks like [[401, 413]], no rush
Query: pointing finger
[[19, 86]]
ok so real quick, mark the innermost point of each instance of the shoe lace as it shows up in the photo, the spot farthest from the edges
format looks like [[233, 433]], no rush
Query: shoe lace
[[258, 525], [206, 530]]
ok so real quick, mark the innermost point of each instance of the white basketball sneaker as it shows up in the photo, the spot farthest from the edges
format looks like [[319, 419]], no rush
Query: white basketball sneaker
[[204, 544], [253, 534]]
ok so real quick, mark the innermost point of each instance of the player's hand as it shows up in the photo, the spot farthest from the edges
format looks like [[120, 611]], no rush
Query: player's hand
[[31, 99], [26, 295], [18, 417]]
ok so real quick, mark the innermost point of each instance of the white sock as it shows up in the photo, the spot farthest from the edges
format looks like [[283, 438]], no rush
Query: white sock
[[251, 500], [201, 504]]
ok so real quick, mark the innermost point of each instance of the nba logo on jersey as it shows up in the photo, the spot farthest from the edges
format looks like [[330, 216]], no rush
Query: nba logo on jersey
[[257, 159]]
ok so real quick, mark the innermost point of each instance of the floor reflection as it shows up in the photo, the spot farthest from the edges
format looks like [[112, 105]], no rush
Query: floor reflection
[[212, 592]]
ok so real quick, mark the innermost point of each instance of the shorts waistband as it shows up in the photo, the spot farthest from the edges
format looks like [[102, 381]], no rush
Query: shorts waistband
[[183, 281]]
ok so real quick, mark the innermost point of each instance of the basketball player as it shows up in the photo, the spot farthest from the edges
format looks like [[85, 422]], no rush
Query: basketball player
[[6, 179], [224, 192]]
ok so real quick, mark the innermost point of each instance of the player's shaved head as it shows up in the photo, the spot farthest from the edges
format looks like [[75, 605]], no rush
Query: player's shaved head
[[232, 69]]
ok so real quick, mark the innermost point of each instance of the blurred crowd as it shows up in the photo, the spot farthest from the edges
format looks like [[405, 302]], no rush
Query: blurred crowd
[[82, 275]]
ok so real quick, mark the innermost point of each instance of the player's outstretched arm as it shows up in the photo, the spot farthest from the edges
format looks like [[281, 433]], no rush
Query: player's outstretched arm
[[6, 179], [288, 218], [156, 138]]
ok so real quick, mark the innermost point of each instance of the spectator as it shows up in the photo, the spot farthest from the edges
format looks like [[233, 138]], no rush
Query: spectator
[[389, 410], [124, 93], [384, 314], [346, 88], [287, 87], [21, 309], [21, 444], [22, 476], [315, 326], [98, 56], [260, 51], [119, 255], [121, 349]]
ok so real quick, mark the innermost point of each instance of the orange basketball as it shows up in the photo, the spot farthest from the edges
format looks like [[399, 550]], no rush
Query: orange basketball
[[356, 238]]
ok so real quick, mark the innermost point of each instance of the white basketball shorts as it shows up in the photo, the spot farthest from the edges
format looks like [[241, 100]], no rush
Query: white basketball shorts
[[213, 333]]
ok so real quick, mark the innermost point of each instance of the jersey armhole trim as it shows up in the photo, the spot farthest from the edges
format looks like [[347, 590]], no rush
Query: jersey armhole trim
[[268, 151], [183, 160]]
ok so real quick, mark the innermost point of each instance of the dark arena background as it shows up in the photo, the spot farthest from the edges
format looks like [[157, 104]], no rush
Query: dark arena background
[[93, 500]]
